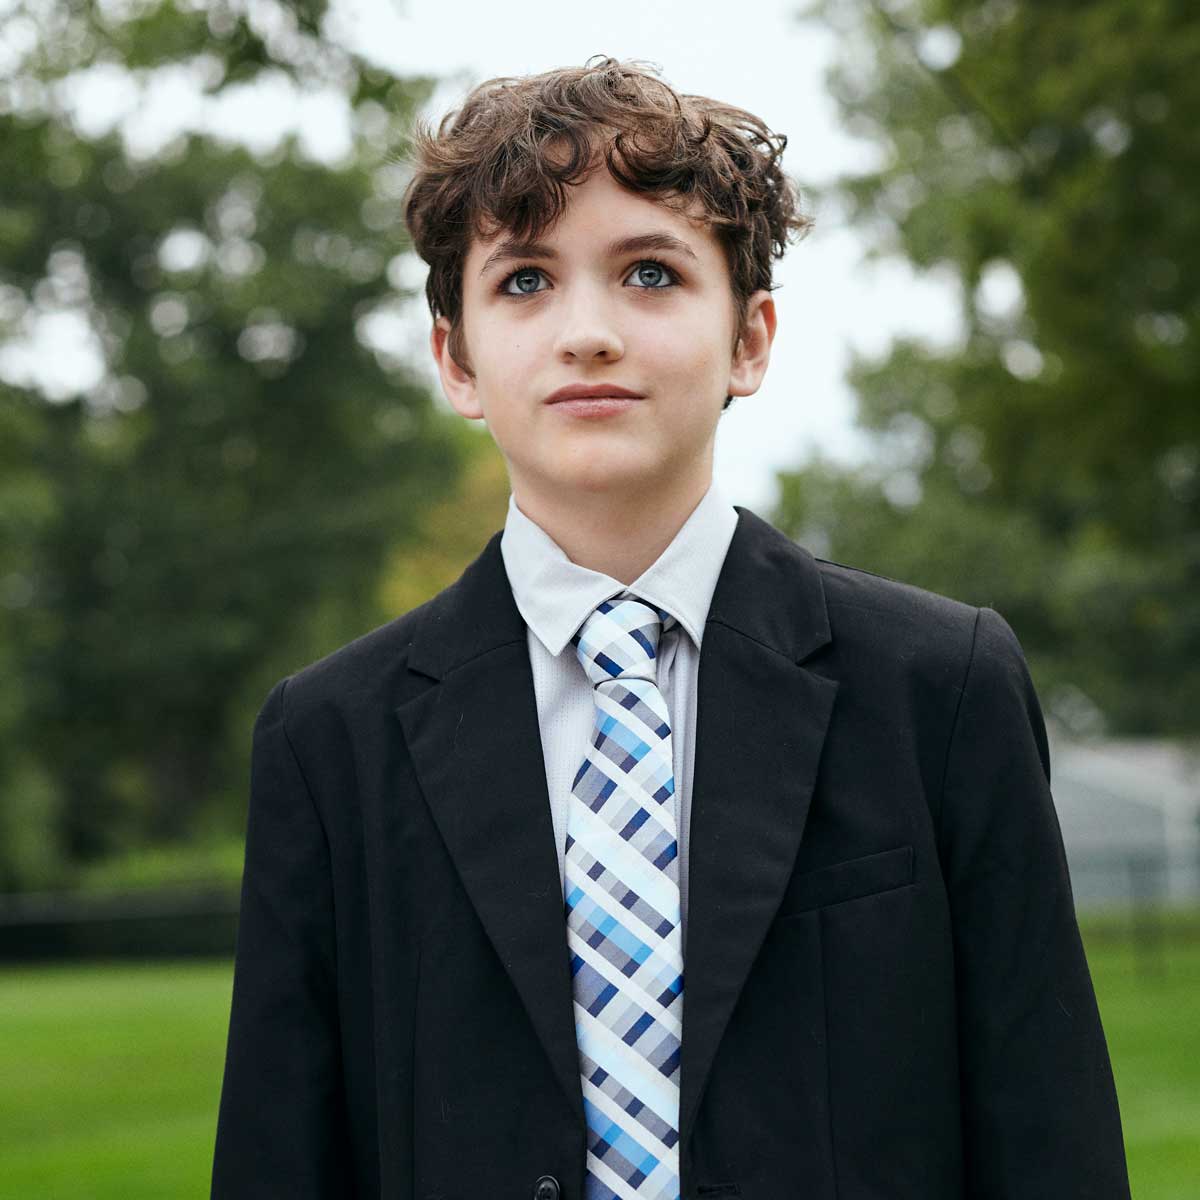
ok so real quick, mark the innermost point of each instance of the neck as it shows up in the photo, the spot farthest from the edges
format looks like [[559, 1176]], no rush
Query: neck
[[618, 535]]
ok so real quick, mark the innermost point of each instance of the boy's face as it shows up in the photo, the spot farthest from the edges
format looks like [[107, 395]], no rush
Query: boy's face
[[652, 318]]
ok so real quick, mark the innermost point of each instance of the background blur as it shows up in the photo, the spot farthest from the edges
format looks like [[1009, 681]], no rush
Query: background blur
[[223, 454]]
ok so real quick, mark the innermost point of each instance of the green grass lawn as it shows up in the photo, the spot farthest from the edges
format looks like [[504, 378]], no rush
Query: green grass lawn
[[1152, 1023], [112, 1074]]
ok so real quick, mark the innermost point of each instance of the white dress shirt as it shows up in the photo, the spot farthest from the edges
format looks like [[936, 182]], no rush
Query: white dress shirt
[[555, 596]]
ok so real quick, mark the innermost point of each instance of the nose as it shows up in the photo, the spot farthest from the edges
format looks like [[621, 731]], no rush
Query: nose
[[588, 328]]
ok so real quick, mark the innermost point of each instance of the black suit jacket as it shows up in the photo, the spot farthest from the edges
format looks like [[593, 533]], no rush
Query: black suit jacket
[[885, 996]]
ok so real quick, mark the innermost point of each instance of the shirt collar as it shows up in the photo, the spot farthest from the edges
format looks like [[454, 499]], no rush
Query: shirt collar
[[555, 595]]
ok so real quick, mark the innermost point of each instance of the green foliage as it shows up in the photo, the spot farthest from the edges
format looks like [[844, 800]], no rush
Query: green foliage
[[1045, 156], [218, 507], [150, 867]]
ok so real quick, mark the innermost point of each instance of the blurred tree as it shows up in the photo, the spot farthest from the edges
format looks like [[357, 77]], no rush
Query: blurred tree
[[1045, 157], [216, 505], [453, 531]]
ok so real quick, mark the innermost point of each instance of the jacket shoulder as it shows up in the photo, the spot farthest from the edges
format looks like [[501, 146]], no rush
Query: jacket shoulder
[[896, 622], [853, 586], [370, 664]]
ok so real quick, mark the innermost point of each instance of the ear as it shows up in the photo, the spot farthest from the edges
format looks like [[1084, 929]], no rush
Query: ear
[[457, 383], [753, 350]]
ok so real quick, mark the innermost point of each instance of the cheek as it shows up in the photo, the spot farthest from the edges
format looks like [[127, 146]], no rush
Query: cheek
[[694, 349], [690, 373]]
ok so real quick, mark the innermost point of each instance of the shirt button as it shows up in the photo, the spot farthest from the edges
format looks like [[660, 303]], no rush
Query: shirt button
[[546, 1188]]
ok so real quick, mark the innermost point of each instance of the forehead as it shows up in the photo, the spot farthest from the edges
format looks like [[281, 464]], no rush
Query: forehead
[[603, 218]]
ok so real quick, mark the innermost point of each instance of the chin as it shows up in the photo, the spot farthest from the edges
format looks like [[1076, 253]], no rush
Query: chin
[[598, 480], [594, 463]]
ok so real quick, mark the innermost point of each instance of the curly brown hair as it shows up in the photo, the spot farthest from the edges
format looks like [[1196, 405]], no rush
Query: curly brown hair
[[504, 160]]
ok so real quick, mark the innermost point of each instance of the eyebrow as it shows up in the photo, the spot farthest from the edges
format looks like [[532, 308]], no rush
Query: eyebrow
[[511, 249]]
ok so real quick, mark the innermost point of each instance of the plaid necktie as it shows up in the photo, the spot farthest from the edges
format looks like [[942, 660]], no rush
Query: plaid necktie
[[622, 908]]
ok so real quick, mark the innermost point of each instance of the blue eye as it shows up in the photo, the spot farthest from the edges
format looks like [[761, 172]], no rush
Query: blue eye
[[521, 273], [657, 271]]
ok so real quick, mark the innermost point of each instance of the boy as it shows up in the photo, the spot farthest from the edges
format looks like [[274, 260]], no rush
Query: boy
[[646, 729]]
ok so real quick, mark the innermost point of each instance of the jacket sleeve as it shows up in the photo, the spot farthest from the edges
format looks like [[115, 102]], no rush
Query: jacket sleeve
[[281, 1124], [1039, 1105]]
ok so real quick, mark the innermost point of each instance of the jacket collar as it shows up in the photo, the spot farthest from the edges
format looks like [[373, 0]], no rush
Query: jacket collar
[[768, 589]]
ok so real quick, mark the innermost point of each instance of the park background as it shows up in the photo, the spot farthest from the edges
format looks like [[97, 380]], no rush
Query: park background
[[223, 454]]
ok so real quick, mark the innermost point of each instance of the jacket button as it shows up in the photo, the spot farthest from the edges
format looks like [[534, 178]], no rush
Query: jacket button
[[546, 1188]]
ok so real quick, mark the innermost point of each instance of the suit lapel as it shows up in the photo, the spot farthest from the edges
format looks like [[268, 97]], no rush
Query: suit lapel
[[760, 726], [476, 746]]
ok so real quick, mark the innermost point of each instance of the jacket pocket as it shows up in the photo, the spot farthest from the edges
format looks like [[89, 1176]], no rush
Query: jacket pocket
[[849, 880]]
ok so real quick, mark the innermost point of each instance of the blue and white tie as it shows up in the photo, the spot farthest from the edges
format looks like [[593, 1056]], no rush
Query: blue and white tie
[[622, 908]]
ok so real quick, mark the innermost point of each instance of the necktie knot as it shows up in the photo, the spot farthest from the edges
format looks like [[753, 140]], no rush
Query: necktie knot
[[619, 639]]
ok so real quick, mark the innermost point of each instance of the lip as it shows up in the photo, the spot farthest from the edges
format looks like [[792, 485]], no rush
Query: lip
[[592, 391]]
